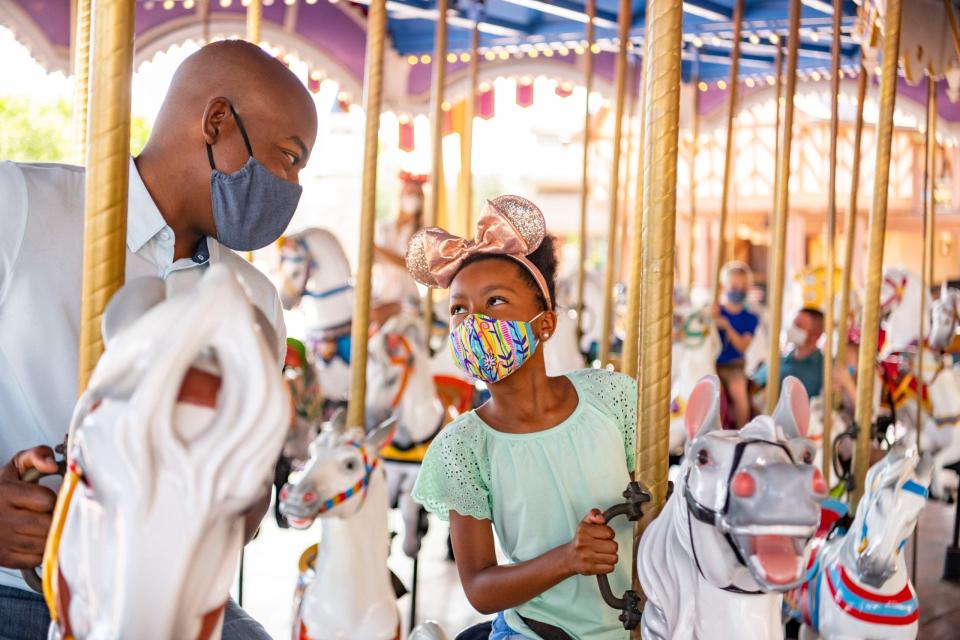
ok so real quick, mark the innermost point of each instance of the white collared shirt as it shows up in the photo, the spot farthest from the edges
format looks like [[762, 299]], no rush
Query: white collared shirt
[[41, 253]]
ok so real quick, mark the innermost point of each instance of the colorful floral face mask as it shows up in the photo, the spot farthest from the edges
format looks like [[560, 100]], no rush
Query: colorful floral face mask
[[489, 349]]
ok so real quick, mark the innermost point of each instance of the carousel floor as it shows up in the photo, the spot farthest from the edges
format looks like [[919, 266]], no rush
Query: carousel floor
[[270, 573]]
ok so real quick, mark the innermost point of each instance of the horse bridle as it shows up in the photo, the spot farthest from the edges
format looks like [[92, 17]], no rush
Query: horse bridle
[[714, 517], [405, 361], [369, 465], [311, 264]]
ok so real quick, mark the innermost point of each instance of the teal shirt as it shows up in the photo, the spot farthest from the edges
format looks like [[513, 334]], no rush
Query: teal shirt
[[537, 487], [808, 370]]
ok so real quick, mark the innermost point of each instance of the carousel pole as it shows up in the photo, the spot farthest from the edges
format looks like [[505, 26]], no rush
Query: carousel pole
[[373, 93], [585, 175], [624, 16], [631, 343], [870, 327], [630, 115], [467, 169], [850, 223], [662, 119], [436, 108], [254, 19], [778, 238], [722, 248], [81, 77], [830, 233], [105, 212], [694, 144], [778, 91]]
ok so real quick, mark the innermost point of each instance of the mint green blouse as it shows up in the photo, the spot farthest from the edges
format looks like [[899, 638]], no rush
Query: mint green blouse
[[537, 487]]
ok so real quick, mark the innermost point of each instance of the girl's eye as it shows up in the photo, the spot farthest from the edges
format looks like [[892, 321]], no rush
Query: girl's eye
[[496, 301], [456, 309]]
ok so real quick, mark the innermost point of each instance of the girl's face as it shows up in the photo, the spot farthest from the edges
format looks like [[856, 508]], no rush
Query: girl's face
[[496, 288]]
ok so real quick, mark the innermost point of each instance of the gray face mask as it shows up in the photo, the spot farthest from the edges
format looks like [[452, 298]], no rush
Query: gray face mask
[[252, 207]]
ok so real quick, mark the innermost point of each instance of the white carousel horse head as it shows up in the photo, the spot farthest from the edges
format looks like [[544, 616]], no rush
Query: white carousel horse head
[[561, 353], [944, 318], [344, 589], [745, 505], [858, 586], [175, 439], [695, 350], [895, 493], [427, 631], [400, 381], [315, 273], [900, 296]]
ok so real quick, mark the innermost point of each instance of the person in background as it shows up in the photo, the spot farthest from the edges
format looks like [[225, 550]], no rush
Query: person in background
[[392, 285], [736, 325], [805, 360]]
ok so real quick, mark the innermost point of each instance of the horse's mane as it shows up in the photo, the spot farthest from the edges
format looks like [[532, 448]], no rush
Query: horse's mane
[[213, 326]]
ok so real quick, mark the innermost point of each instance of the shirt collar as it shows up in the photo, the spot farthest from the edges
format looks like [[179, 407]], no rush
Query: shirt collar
[[144, 219]]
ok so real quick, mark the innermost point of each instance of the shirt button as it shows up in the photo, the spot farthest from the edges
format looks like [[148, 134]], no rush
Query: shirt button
[[165, 235]]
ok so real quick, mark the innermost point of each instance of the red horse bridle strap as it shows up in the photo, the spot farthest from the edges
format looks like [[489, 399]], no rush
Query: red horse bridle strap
[[406, 361]]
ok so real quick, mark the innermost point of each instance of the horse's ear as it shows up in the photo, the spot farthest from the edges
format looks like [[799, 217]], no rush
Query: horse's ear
[[924, 470], [339, 421], [133, 300], [793, 409], [381, 435], [703, 408]]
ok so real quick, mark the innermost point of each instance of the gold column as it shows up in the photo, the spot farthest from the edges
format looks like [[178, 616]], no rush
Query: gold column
[[81, 77], [372, 90], [624, 220], [850, 223], [778, 238], [466, 170], [254, 18], [105, 208], [778, 82], [436, 174], [695, 143], [877, 229], [585, 175], [662, 115], [631, 343], [625, 13], [722, 248], [929, 220], [831, 233]]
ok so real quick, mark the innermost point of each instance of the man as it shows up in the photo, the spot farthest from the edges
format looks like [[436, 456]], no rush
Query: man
[[736, 325], [805, 360], [219, 172]]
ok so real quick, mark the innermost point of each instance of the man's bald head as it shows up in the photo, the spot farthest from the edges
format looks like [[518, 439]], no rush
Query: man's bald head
[[216, 90]]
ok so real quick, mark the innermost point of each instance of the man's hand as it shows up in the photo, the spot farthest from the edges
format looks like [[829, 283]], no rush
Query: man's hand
[[25, 509], [593, 549]]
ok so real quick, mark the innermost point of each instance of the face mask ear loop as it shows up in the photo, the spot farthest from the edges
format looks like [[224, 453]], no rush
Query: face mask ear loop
[[243, 132]]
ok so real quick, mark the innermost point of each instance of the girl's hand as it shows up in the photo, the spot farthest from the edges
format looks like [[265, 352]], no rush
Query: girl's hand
[[593, 549]]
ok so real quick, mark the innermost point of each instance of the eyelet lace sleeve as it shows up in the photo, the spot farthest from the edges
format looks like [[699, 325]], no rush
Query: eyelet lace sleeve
[[617, 394], [453, 476]]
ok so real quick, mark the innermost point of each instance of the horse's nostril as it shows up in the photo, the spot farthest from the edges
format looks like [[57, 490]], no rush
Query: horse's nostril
[[309, 496], [819, 484], [743, 485], [284, 492]]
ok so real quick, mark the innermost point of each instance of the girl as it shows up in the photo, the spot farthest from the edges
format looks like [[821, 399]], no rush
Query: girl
[[538, 461]]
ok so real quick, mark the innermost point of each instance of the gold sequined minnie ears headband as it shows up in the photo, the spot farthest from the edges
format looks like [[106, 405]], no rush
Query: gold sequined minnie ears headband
[[508, 226]]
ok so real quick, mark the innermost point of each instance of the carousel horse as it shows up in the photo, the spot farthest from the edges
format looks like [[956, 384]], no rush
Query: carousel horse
[[345, 589], [593, 305], [732, 536], [695, 349], [857, 584], [174, 440], [314, 276]]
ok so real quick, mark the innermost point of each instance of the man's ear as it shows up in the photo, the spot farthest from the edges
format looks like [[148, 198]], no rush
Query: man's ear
[[213, 116]]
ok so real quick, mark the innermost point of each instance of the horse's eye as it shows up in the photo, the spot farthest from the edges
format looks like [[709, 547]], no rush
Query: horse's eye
[[808, 457], [703, 457], [350, 465]]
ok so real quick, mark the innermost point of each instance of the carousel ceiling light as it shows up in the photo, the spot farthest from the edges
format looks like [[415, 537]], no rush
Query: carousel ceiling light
[[595, 48], [484, 87], [188, 4], [814, 36], [446, 106], [148, 5], [774, 38], [722, 85], [168, 4], [411, 60], [563, 50], [311, 1], [579, 50], [451, 57], [548, 53], [770, 80], [464, 57], [289, 2], [697, 42], [703, 12], [504, 55], [225, 3], [749, 82], [563, 12], [819, 5], [815, 76], [754, 38], [489, 56], [702, 86], [425, 59], [533, 53], [716, 41]]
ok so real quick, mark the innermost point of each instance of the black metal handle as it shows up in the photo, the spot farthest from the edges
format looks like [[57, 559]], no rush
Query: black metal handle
[[33, 577], [629, 603]]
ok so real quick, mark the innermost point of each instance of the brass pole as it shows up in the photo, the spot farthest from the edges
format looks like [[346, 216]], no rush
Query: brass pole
[[469, 113], [585, 175], [850, 223], [728, 149], [691, 232], [778, 83], [105, 207], [624, 16], [254, 18], [631, 343], [662, 115], [373, 93], [877, 229], [623, 243], [436, 108], [830, 239], [952, 19], [778, 238], [81, 77]]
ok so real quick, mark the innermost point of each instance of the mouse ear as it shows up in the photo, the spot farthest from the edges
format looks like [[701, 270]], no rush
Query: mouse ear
[[129, 303], [703, 408], [525, 217]]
